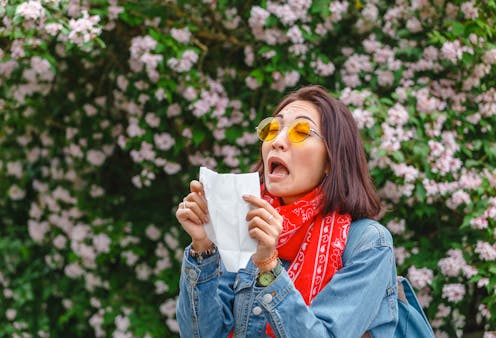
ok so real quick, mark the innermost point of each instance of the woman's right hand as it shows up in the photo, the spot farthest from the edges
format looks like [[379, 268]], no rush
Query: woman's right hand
[[192, 213]]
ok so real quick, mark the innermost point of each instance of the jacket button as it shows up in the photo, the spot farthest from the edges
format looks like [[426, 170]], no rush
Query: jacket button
[[192, 274], [267, 298], [257, 310]]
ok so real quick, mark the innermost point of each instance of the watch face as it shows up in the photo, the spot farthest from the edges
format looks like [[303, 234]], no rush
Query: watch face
[[266, 278]]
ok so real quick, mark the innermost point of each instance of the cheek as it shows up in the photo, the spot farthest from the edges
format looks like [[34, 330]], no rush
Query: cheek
[[265, 151], [318, 164]]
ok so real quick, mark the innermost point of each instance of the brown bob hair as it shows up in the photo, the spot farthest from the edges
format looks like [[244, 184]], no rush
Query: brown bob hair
[[348, 187]]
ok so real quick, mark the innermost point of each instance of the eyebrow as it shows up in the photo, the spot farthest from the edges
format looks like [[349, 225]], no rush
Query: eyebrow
[[279, 115]]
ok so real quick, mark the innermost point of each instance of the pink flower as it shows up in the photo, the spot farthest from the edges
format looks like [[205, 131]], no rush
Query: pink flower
[[483, 282], [15, 193], [101, 242], [182, 35], [424, 297], [73, 270], [141, 45], [452, 265], [454, 292], [152, 232], [370, 12], [95, 157], [60, 241], [10, 314], [84, 29], [249, 56], [338, 9], [294, 34], [252, 83], [479, 223], [130, 257], [397, 115], [363, 118], [354, 97], [469, 10], [489, 57], [486, 251], [121, 323], [168, 308], [401, 255], [258, 16], [53, 28], [458, 198], [420, 277], [37, 230], [15, 169], [414, 25], [152, 120], [30, 10], [189, 58], [143, 271], [396, 227], [173, 325]]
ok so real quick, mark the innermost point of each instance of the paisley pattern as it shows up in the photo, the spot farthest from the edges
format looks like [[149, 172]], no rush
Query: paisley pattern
[[313, 243]]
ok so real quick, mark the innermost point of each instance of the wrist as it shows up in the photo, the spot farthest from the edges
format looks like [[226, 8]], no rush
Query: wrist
[[266, 264], [201, 245], [199, 256]]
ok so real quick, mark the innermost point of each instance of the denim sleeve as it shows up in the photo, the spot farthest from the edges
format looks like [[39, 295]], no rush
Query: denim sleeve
[[349, 305], [204, 306]]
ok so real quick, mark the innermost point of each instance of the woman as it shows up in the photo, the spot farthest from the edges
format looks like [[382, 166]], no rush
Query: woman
[[304, 280]]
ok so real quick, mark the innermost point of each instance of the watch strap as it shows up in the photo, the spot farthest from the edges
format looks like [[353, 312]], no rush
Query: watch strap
[[276, 271]]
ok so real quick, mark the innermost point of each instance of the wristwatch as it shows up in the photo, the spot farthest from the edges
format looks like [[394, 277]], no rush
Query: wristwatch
[[267, 277]]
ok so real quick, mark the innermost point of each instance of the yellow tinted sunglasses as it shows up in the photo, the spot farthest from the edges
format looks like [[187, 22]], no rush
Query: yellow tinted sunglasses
[[298, 131]]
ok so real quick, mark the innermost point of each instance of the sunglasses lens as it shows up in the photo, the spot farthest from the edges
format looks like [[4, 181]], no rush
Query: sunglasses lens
[[299, 131], [268, 129]]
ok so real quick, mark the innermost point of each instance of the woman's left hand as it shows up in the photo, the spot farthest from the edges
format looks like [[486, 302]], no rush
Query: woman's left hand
[[264, 225]]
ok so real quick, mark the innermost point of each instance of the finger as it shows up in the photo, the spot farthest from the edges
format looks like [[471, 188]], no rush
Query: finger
[[199, 200], [260, 212], [257, 201], [263, 239], [197, 187], [196, 205], [187, 217], [262, 224]]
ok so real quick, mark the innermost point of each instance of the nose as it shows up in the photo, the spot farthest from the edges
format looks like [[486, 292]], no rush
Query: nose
[[281, 141]]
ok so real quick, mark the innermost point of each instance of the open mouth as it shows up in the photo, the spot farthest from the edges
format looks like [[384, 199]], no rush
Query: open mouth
[[277, 167]]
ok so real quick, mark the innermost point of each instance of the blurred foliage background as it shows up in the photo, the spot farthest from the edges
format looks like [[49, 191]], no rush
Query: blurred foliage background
[[108, 109]]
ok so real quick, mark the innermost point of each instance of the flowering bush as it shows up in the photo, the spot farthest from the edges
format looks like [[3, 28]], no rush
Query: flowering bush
[[109, 109]]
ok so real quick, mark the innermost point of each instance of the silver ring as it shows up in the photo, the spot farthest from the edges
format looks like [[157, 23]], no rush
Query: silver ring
[[268, 219]]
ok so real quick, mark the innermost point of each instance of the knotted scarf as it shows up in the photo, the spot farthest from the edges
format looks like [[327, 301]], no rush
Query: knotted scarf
[[312, 242]]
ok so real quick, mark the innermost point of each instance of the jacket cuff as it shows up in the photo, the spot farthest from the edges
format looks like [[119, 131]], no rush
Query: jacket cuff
[[273, 294], [195, 273]]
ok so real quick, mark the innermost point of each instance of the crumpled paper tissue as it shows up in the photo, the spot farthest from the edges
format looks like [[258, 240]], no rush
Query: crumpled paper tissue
[[227, 226]]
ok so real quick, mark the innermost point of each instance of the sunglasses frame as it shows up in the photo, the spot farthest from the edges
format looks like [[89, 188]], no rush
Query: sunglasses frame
[[269, 119]]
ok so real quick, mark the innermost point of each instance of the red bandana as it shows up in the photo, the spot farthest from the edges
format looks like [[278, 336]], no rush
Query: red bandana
[[312, 243]]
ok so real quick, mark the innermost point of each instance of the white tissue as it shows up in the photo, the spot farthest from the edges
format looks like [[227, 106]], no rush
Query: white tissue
[[227, 226]]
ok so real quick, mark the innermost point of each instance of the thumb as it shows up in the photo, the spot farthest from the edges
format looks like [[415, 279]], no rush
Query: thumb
[[196, 186]]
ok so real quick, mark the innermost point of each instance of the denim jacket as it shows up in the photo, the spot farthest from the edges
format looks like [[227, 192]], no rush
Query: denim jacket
[[360, 297]]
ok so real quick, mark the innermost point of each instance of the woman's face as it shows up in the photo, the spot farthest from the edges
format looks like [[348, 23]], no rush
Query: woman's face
[[291, 170]]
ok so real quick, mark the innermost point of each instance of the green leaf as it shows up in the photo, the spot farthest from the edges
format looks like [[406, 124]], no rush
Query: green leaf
[[491, 151], [232, 134], [198, 136], [457, 28], [398, 156]]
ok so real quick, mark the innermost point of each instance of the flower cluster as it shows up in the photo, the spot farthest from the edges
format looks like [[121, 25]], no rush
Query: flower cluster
[[109, 109]]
